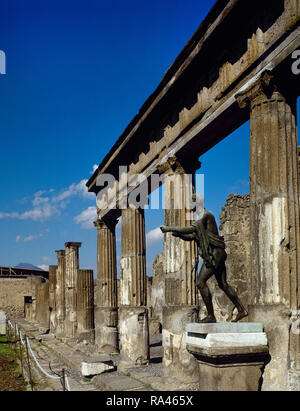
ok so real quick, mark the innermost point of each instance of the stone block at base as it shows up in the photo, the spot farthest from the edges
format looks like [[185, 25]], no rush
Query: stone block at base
[[95, 367], [228, 361]]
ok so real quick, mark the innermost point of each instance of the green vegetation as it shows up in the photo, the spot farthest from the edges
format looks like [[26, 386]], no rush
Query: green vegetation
[[10, 376]]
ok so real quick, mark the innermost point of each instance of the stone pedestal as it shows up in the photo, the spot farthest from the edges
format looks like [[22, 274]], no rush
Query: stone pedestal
[[106, 331], [178, 363], [134, 337], [230, 356]]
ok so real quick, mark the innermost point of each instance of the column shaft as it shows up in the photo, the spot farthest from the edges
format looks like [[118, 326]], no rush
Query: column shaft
[[106, 311], [180, 273], [85, 305], [134, 327], [133, 263], [52, 296], [179, 255], [72, 267], [274, 222], [60, 293]]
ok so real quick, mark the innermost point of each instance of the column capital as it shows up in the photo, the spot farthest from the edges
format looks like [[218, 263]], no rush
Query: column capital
[[174, 165], [60, 253], [70, 244], [105, 222], [264, 88]]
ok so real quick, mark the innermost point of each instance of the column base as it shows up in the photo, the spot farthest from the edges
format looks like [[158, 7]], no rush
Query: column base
[[134, 337], [293, 381], [88, 335], [106, 329], [276, 322], [231, 356], [178, 363]]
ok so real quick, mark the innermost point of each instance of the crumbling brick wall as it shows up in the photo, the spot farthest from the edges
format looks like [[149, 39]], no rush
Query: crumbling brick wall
[[13, 290]]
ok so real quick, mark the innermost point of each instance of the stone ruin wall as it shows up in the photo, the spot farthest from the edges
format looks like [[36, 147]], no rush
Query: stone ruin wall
[[13, 292], [235, 228]]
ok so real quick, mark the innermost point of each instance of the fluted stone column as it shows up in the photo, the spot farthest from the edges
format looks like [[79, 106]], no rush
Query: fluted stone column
[[85, 305], [42, 302], [52, 297], [60, 293], [133, 324], [274, 224], [106, 311], [181, 302], [72, 267]]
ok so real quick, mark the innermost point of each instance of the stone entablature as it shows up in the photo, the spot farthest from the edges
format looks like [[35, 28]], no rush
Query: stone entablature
[[194, 121]]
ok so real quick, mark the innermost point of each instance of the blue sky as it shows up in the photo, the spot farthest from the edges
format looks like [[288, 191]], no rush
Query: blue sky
[[77, 73]]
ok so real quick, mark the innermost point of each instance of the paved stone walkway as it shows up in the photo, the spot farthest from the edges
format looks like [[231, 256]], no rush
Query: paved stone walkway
[[65, 354]]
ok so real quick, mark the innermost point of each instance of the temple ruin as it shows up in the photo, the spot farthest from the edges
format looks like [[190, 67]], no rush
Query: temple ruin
[[235, 68]]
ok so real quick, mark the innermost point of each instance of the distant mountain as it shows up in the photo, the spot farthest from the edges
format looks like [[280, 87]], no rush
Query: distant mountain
[[28, 266]]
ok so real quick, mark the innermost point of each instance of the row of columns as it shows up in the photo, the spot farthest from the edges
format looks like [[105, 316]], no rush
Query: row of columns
[[274, 236], [275, 256], [181, 293], [65, 302]]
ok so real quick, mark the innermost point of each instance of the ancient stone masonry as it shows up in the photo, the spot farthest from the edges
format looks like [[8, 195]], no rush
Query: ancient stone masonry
[[299, 164], [106, 312], [72, 267], [274, 217], [194, 107], [179, 257], [52, 296], [233, 69], [60, 293], [157, 296], [235, 228], [85, 305], [179, 269], [133, 322], [65, 302], [18, 289], [42, 302]]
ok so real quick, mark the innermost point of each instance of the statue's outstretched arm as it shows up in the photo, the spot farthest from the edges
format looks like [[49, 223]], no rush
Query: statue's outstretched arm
[[181, 230]]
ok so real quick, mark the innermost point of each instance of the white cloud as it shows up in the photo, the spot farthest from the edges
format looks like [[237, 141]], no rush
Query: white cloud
[[28, 238], [32, 237], [38, 213], [86, 218], [73, 190], [154, 236], [45, 204]]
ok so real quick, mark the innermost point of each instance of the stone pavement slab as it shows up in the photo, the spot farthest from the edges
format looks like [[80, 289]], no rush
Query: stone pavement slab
[[118, 382]]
